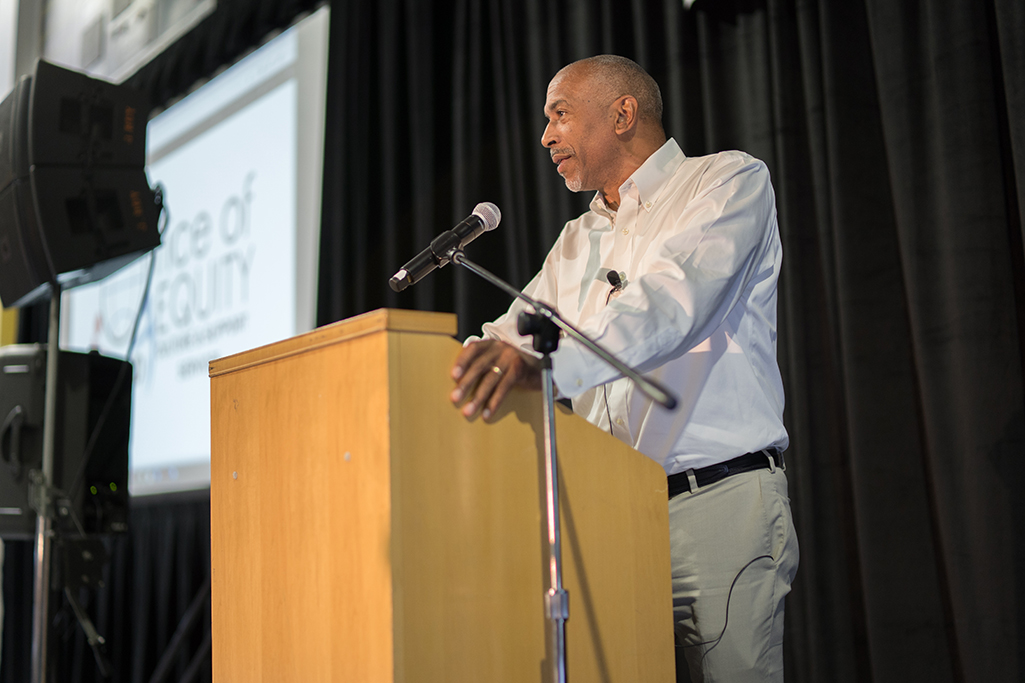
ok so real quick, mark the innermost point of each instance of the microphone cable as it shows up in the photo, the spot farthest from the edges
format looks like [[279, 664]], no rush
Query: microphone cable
[[617, 284], [68, 493], [726, 621]]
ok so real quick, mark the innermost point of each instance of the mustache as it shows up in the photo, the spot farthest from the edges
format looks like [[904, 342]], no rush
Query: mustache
[[555, 151]]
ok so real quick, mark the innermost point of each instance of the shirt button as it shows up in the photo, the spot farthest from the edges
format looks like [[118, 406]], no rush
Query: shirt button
[[580, 382], [647, 205], [619, 421], [626, 231]]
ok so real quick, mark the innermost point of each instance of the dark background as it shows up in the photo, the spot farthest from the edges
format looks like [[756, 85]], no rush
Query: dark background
[[895, 134]]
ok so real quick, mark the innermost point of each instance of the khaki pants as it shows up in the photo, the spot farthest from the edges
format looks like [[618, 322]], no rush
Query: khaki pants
[[736, 533]]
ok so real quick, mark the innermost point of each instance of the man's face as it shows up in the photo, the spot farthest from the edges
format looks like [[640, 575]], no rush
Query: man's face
[[580, 134]]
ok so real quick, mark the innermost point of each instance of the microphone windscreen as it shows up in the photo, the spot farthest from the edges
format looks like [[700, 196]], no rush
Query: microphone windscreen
[[489, 214]]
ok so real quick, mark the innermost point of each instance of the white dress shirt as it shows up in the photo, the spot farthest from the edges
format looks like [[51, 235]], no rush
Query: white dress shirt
[[696, 244]]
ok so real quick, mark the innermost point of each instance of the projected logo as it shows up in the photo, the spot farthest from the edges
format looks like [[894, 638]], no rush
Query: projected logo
[[119, 304], [203, 283]]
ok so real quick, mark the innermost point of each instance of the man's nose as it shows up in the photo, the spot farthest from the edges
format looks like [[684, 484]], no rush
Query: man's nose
[[547, 137]]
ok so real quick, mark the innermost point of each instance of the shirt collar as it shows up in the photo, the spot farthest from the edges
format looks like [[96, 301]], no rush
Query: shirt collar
[[650, 178]]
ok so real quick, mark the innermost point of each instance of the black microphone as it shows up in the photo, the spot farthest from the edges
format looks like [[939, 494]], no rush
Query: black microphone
[[614, 280], [485, 217]]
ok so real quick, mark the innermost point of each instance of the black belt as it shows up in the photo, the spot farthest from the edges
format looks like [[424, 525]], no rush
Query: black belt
[[679, 482]]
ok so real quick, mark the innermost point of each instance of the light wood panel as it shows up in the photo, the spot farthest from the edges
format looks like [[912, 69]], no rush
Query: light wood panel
[[300, 518], [372, 534]]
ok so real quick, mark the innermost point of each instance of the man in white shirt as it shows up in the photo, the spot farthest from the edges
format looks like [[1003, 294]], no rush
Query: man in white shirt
[[697, 250]]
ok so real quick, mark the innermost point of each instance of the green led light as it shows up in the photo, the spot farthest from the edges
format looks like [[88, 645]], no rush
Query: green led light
[[92, 490], [113, 486]]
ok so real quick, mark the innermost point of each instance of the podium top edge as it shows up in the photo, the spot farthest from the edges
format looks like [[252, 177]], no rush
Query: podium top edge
[[381, 320]]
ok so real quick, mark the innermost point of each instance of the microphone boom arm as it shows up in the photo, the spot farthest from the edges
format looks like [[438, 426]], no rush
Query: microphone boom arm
[[649, 388]]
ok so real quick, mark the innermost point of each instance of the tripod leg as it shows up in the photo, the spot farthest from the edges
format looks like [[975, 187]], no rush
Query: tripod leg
[[95, 640]]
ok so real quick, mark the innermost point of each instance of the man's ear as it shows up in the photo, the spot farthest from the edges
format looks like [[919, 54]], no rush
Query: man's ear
[[624, 109]]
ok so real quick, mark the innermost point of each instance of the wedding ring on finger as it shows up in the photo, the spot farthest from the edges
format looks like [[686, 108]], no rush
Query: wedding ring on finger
[[497, 370]]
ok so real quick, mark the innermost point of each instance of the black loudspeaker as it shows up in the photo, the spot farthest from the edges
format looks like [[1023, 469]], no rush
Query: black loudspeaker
[[93, 500], [75, 204]]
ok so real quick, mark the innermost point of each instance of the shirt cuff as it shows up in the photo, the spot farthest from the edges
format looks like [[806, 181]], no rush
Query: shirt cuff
[[576, 369]]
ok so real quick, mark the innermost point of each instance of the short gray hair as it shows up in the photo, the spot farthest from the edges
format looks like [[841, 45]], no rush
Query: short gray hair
[[618, 76]]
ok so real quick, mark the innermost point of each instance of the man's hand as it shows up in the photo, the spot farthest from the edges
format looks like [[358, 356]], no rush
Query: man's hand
[[485, 372]]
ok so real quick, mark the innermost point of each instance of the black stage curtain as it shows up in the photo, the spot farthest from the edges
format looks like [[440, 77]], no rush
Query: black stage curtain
[[895, 133]]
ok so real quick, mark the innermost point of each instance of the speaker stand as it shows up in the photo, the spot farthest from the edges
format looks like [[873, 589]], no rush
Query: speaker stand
[[41, 499]]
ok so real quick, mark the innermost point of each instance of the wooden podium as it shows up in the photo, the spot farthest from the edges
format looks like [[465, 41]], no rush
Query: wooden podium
[[363, 530]]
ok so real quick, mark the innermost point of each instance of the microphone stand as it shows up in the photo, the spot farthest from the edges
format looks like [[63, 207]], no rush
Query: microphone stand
[[544, 324]]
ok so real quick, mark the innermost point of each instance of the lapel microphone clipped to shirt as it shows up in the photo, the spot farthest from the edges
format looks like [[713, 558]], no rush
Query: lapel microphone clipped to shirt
[[616, 282]]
